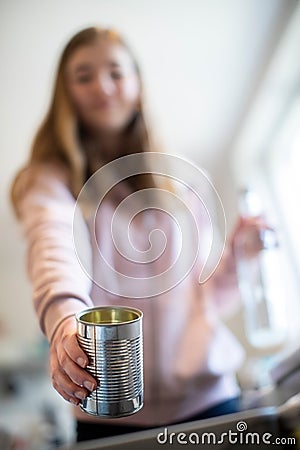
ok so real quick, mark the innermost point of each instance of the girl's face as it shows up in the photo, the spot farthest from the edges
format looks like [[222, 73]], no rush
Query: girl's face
[[103, 86]]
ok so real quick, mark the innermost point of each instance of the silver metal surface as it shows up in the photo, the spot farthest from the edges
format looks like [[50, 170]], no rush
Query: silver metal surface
[[112, 338]]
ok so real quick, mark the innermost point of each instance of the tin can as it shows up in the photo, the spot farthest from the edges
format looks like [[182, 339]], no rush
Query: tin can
[[112, 338]]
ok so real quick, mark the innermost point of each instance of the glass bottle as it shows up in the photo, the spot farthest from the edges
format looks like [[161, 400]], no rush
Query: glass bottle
[[257, 254]]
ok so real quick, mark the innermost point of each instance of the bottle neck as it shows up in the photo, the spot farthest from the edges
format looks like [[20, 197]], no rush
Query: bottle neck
[[249, 204]]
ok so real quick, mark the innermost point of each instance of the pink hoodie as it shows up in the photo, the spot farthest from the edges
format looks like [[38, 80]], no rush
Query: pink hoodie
[[190, 358]]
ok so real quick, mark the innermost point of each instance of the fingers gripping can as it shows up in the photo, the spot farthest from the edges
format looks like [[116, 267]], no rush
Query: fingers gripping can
[[112, 338]]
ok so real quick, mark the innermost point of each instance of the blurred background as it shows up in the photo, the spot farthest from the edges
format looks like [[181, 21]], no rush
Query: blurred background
[[222, 84]]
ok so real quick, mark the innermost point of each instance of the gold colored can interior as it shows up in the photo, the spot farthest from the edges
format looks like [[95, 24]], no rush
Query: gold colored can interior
[[110, 315]]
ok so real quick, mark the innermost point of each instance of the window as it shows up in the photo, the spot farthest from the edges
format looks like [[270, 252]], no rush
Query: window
[[283, 166]]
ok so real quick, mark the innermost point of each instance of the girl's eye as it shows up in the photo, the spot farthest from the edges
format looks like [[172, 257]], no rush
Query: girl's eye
[[116, 75], [84, 79]]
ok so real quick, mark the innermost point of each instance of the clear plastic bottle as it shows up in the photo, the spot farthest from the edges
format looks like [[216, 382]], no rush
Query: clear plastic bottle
[[257, 254]]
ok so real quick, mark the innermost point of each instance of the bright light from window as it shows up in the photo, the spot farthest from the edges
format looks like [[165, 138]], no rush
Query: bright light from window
[[284, 164]]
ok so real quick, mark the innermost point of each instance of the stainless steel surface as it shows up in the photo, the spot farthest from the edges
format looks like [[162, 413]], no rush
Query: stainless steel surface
[[112, 339]]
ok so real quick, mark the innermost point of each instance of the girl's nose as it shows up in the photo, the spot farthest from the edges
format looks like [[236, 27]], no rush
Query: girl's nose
[[105, 85]]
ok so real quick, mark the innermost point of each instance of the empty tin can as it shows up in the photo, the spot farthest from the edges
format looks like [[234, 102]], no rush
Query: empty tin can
[[112, 338]]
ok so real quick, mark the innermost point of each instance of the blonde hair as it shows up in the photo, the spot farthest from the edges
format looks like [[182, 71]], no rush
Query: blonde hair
[[58, 138]]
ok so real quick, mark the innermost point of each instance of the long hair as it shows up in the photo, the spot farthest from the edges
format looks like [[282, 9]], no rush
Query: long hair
[[58, 140]]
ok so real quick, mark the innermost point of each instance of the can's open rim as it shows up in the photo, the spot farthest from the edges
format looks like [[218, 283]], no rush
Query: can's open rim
[[108, 315]]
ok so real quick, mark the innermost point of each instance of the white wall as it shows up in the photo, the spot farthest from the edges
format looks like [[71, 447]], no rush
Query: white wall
[[201, 60]]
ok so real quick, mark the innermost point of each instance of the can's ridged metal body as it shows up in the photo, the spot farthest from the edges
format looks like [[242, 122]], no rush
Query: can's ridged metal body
[[113, 340]]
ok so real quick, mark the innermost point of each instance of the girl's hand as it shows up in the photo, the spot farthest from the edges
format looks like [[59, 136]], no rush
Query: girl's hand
[[67, 363]]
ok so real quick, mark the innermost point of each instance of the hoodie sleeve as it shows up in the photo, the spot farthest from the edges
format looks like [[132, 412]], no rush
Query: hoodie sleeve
[[60, 285]]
